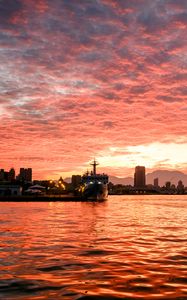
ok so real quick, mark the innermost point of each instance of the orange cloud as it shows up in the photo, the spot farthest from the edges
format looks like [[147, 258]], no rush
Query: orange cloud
[[78, 79]]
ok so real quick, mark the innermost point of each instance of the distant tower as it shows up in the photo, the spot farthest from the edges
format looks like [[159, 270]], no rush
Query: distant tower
[[139, 177], [155, 182]]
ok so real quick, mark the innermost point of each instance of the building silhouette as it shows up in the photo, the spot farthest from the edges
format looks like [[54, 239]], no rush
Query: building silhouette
[[2, 175], [76, 180], [11, 175], [155, 182], [139, 177], [168, 185], [180, 187], [25, 175]]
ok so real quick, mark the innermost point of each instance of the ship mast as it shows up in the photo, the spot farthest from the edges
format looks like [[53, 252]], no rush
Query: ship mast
[[94, 164]]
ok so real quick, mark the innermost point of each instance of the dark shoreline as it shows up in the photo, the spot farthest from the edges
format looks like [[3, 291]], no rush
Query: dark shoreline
[[55, 198], [48, 198]]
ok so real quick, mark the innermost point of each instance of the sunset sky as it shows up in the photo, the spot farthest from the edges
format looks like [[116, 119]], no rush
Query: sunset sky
[[93, 78]]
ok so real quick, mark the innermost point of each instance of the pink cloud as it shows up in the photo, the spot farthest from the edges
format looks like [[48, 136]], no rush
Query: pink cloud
[[78, 79]]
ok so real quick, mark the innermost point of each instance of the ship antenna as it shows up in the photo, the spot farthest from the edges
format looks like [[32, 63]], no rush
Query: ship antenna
[[94, 164]]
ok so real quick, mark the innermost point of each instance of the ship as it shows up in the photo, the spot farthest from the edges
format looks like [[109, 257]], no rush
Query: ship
[[94, 186]]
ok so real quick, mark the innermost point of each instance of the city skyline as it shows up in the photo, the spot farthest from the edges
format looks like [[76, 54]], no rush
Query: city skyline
[[140, 177], [104, 79]]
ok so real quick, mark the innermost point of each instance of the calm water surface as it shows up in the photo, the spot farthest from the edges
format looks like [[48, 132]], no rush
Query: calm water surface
[[130, 247]]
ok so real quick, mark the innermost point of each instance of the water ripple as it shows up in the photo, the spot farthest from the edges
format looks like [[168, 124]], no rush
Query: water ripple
[[126, 248]]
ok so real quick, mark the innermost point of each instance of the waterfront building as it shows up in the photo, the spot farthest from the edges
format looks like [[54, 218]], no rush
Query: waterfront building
[[75, 181], [139, 177], [62, 184], [10, 190]]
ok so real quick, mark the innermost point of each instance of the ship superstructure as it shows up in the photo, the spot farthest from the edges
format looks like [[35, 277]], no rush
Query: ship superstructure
[[95, 186]]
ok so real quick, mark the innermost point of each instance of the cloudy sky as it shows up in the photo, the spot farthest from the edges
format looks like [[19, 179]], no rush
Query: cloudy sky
[[93, 78]]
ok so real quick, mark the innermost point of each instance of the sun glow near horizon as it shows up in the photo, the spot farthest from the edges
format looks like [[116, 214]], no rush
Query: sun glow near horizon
[[121, 162], [152, 156]]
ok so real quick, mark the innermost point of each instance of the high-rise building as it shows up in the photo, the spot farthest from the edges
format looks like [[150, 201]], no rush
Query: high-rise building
[[155, 182], [21, 174], [28, 175], [25, 174], [139, 177]]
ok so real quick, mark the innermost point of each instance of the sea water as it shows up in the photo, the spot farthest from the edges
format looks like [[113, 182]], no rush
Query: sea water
[[129, 247]]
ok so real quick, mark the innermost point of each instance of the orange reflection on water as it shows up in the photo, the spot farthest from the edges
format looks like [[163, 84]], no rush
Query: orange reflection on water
[[131, 247]]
